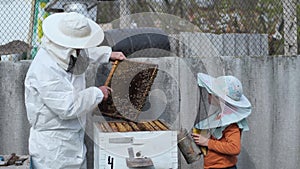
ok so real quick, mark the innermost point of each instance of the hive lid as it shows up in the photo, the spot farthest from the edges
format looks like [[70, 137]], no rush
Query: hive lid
[[131, 83]]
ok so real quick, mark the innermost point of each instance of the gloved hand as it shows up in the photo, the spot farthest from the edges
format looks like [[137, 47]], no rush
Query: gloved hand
[[117, 56], [106, 91], [200, 139]]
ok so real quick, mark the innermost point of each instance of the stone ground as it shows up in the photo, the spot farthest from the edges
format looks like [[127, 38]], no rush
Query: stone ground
[[25, 165]]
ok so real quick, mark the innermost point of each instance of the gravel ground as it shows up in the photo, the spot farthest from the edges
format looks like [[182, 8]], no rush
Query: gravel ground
[[26, 163]]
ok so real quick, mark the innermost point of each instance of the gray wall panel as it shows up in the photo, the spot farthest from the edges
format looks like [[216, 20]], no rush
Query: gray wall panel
[[271, 84]]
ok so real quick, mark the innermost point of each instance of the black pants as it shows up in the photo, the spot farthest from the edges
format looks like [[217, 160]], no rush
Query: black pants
[[233, 167]]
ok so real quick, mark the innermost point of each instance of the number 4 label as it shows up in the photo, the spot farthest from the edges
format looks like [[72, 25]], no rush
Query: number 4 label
[[110, 161]]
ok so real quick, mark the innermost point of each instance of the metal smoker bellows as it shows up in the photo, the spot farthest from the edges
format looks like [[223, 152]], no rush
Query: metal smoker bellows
[[190, 151]]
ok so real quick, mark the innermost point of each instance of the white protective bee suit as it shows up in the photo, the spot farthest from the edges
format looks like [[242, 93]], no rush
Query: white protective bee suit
[[57, 102]]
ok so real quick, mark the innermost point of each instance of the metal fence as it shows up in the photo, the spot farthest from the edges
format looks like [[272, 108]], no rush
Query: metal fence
[[232, 27]]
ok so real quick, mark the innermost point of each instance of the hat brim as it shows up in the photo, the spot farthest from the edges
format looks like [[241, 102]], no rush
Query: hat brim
[[208, 82], [213, 121], [51, 31]]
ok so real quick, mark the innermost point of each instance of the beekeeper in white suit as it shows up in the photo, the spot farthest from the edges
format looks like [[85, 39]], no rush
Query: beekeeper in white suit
[[56, 96]]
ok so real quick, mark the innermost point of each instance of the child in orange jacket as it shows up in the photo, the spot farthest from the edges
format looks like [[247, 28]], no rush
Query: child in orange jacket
[[229, 109]]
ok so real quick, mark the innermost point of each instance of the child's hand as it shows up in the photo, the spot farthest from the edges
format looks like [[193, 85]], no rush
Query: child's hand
[[200, 140]]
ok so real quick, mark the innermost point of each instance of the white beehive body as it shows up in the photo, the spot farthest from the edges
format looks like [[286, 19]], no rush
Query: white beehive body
[[111, 148]]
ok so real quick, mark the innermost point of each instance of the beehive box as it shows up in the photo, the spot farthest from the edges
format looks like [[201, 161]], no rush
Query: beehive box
[[148, 139]]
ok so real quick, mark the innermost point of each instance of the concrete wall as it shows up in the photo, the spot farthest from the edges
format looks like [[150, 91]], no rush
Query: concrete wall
[[14, 127], [271, 84]]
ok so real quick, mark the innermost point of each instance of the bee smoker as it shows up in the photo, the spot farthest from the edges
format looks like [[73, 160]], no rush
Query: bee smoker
[[190, 151]]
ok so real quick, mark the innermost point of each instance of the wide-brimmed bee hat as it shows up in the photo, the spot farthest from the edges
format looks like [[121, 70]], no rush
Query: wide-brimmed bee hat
[[228, 88], [72, 30], [234, 105]]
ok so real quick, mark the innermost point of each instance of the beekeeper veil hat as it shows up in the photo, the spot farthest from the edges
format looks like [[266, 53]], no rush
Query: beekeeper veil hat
[[72, 30], [65, 34], [234, 105], [228, 88]]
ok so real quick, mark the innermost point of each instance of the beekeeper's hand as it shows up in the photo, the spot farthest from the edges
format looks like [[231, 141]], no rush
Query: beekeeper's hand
[[106, 91], [200, 139], [117, 56]]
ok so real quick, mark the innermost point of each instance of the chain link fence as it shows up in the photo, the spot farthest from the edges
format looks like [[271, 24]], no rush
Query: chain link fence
[[233, 27]]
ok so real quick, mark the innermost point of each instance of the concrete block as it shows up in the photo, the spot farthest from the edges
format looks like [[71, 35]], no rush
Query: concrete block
[[254, 43], [229, 44], [241, 45], [14, 127]]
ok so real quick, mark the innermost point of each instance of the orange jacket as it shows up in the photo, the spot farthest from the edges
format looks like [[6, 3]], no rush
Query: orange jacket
[[223, 153]]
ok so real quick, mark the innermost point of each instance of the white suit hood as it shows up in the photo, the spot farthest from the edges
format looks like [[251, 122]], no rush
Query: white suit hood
[[59, 53]]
